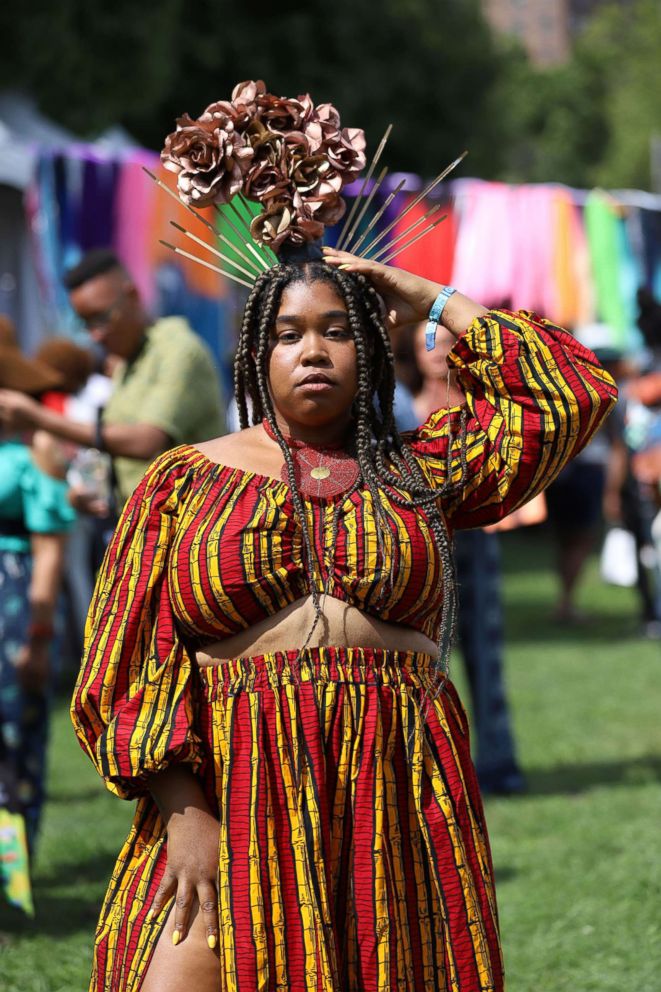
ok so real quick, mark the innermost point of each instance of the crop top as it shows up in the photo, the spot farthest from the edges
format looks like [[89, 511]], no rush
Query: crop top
[[204, 550]]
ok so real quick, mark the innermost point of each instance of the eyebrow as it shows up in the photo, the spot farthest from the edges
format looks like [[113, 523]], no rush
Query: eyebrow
[[293, 319]]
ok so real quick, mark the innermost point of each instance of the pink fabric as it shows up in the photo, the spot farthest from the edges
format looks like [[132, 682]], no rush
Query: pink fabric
[[134, 221]]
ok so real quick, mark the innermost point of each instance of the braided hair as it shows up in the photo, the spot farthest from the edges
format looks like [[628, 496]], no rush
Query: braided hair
[[384, 460]]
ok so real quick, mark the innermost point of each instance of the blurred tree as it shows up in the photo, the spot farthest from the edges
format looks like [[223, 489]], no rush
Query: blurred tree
[[629, 46], [428, 66], [589, 122]]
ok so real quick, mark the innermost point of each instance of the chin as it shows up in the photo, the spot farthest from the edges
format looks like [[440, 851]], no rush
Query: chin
[[317, 414]]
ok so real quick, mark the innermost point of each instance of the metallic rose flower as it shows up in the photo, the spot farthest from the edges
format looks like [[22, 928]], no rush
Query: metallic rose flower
[[284, 115], [322, 126], [209, 161], [306, 172], [223, 111], [346, 152], [327, 210], [280, 223], [265, 181], [267, 145], [244, 95]]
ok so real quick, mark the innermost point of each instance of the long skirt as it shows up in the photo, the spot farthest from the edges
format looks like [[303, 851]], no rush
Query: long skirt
[[24, 715], [353, 851]]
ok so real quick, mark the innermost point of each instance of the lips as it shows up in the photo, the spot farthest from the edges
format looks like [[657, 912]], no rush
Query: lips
[[316, 378]]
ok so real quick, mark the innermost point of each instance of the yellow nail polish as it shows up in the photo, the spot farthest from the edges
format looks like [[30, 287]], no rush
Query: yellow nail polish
[[345, 265], [176, 937], [211, 940], [150, 916]]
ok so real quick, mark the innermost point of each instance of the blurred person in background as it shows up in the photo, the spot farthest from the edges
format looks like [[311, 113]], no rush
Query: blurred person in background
[[479, 583], [82, 395], [167, 391], [34, 518]]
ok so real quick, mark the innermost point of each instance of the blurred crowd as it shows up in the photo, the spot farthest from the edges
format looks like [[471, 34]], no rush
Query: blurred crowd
[[80, 422]]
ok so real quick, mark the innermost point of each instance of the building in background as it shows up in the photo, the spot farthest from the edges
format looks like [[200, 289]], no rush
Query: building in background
[[546, 28]]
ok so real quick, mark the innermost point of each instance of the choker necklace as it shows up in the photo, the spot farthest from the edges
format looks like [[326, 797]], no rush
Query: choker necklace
[[321, 470]]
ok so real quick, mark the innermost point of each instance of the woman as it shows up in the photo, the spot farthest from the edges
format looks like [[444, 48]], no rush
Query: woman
[[34, 518], [262, 669]]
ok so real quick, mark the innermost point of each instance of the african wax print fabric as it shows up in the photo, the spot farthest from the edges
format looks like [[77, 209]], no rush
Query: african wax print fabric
[[353, 849]]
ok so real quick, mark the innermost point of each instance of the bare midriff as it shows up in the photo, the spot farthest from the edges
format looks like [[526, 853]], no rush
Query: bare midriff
[[341, 625]]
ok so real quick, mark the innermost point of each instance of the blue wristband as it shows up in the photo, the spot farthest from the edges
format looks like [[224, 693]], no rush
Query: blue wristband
[[435, 315]]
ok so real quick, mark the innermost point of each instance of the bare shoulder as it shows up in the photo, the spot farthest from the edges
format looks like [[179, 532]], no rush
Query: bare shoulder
[[250, 450]]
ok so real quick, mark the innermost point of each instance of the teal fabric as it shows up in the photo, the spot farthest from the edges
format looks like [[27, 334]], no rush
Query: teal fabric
[[30, 497]]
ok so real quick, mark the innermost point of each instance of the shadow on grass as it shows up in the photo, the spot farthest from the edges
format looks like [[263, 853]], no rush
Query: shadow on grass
[[58, 913], [58, 796], [598, 628], [574, 779]]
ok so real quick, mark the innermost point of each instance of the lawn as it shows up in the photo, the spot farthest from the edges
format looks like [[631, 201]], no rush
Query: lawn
[[577, 859]]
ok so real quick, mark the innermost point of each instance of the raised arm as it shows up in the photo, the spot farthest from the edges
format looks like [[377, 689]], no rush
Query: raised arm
[[534, 398]]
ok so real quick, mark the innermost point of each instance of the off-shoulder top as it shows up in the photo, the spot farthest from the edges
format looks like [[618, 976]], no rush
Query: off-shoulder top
[[205, 550]]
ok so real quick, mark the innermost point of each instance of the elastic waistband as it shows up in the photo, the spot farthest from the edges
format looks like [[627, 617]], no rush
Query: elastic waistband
[[368, 666]]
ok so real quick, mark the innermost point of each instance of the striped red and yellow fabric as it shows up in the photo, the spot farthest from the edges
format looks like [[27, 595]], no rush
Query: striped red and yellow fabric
[[354, 853]]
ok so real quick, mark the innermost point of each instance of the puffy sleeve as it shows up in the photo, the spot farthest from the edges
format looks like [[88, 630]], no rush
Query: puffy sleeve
[[534, 398], [134, 703]]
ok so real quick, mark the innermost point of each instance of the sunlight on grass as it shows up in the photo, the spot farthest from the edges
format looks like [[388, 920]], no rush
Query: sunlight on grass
[[577, 858]]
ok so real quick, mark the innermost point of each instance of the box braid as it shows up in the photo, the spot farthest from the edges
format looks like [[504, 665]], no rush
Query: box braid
[[382, 455]]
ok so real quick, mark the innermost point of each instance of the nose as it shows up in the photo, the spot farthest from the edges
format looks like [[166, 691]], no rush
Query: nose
[[314, 350]]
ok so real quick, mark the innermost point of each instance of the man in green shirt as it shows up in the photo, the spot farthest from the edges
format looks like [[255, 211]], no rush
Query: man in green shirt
[[167, 390]]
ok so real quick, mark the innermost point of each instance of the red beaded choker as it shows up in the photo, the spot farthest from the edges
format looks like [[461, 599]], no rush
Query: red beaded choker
[[322, 470]]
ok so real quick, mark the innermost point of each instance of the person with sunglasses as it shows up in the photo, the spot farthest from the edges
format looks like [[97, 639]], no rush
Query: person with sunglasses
[[167, 390]]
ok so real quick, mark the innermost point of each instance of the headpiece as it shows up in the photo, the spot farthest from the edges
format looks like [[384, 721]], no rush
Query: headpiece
[[274, 169]]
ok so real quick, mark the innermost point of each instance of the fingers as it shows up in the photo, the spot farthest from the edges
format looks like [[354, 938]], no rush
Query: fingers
[[351, 263], [208, 899], [182, 909], [164, 893]]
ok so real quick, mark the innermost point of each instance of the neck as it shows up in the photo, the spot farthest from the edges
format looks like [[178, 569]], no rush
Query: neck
[[332, 434]]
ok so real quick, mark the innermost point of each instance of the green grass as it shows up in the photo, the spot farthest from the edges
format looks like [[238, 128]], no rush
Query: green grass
[[578, 858]]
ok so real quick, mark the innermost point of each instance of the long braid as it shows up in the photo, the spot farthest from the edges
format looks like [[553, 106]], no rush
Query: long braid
[[384, 460], [267, 319]]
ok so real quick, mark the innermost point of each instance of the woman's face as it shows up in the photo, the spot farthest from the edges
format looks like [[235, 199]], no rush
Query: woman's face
[[312, 357]]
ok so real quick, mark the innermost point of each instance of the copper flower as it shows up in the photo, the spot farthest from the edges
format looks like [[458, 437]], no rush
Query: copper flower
[[327, 209], [284, 115], [290, 156], [346, 152], [244, 95], [279, 223], [209, 160], [265, 181], [223, 111], [322, 125]]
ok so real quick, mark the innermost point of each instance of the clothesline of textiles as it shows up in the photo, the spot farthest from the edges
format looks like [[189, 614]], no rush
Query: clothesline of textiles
[[577, 256], [81, 199]]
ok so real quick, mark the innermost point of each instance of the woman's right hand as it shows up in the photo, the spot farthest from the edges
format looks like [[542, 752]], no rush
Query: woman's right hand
[[191, 872], [408, 298]]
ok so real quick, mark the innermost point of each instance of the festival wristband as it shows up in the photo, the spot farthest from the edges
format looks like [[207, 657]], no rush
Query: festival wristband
[[435, 315]]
